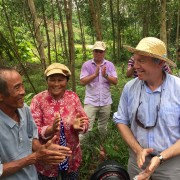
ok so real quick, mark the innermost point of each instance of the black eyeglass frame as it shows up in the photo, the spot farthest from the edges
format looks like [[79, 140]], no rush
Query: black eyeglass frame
[[139, 123]]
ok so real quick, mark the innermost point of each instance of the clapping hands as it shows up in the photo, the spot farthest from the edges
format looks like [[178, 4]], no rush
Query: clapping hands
[[56, 124], [80, 122], [52, 153]]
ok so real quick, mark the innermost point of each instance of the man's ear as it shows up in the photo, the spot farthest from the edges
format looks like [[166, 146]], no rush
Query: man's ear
[[161, 63]]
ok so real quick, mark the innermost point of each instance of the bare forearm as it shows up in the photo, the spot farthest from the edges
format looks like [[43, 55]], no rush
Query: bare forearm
[[88, 79], [172, 151], [127, 135], [112, 80], [14, 166]]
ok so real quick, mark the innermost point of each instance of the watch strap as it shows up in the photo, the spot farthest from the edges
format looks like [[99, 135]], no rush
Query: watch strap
[[106, 76], [160, 158]]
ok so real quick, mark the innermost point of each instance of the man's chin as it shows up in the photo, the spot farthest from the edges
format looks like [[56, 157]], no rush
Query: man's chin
[[20, 105], [140, 77]]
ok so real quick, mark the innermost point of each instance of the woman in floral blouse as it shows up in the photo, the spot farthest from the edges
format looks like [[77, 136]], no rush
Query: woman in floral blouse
[[59, 111]]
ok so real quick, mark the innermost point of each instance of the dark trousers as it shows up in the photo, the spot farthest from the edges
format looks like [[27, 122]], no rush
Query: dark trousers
[[63, 175]]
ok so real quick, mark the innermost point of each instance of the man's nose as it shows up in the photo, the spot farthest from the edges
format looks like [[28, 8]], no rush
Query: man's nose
[[136, 64], [22, 90]]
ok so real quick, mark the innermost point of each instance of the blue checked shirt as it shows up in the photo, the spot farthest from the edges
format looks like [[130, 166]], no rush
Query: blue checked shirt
[[165, 98]]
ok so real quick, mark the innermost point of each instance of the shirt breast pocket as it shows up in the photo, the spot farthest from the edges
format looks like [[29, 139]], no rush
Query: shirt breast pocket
[[171, 116]]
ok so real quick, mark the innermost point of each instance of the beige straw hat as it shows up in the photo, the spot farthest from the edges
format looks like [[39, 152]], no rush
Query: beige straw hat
[[153, 47], [99, 45]]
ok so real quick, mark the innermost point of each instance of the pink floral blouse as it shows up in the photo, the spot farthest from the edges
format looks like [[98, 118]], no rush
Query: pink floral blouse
[[43, 108]]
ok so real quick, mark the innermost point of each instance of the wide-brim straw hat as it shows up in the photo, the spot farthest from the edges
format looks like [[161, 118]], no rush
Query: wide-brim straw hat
[[152, 47], [57, 68]]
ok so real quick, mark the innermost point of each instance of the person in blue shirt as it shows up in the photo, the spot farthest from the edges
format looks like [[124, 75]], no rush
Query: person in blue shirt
[[20, 148], [148, 115]]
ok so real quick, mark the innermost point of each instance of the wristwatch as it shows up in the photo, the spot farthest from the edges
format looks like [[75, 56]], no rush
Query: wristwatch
[[160, 158], [106, 76]]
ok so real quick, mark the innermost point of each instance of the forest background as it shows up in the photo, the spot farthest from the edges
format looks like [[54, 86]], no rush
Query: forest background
[[36, 33]]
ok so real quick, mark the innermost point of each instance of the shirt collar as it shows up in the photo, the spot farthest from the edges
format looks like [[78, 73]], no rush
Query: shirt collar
[[160, 88], [7, 120], [103, 62]]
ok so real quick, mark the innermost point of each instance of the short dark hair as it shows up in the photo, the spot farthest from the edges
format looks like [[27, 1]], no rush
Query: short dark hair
[[3, 83]]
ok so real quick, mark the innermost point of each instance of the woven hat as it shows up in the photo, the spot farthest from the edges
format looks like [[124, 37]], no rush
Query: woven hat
[[99, 45], [57, 68], [152, 47]]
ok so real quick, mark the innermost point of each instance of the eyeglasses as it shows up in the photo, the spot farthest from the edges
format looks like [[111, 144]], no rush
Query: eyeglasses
[[98, 51], [139, 123]]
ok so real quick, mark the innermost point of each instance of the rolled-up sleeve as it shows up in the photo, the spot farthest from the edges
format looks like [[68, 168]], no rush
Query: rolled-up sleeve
[[84, 71], [121, 116]]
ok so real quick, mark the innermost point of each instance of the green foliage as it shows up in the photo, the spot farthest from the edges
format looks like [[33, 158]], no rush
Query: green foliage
[[114, 146], [28, 97]]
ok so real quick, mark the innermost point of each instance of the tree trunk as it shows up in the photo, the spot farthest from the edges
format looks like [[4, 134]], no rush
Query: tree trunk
[[54, 30], [63, 29], [177, 33], [37, 33], [163, 32], [118, 32], [68, 10], [145, 18], [113, 29], [95, 21], [82, 32], [47, 34], [98, 10]]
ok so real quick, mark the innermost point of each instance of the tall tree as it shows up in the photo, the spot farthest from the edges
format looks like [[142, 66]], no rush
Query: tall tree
[[59, 6], [113, 28], [118, 31], [163, 32], [68, 10], [177, 32], [54, 30], [37, 33], [81, 30], [94, 15], [47, 33]]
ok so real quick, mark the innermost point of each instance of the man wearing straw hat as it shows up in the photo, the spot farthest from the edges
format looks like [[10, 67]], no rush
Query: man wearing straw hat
[[148, 116], [97, 74]]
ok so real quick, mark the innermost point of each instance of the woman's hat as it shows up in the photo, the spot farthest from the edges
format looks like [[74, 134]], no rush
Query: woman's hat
[[57, 68], [152, 47]]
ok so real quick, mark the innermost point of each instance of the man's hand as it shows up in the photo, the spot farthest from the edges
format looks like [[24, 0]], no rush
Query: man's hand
[[142, 155], [52, 153], [103, 71], [146, 174], [97, 71]]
